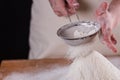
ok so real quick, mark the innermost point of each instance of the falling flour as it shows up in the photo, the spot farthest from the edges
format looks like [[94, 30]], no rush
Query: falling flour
[[89, 64]]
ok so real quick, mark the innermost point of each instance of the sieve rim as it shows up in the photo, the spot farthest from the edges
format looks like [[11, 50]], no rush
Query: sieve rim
[[73, 24]]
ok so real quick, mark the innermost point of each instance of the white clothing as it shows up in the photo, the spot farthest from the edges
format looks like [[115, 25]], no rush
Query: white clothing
[[44, 42]]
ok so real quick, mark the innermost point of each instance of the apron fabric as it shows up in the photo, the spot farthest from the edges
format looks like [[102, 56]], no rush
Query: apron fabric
[[44, 42]]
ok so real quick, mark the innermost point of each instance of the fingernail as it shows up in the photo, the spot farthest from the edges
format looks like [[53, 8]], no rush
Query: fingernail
[[115, 51], [76, 4]]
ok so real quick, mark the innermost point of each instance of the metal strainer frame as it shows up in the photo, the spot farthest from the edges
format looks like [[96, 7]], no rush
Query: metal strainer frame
[[80, 40]]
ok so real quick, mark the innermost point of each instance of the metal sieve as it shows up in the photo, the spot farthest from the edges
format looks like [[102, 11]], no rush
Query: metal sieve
[[66, 32]]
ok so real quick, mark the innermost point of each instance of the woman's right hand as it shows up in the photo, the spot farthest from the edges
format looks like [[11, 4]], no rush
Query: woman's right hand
[[64, 7]]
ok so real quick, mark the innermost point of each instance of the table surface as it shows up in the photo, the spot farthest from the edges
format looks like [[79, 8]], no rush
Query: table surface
[[29, 65]]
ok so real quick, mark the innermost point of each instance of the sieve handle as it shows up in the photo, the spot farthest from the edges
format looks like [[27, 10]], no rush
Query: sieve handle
[[77, 16]]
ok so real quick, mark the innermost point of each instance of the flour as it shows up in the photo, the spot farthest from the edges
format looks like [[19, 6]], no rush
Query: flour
[[78, 34], [81, 51], [89, 64], [85, 49], [93, 67], [85, 30], [54, 74]]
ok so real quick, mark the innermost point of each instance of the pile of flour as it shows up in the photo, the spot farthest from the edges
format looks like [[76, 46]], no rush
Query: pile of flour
[[93, 66]]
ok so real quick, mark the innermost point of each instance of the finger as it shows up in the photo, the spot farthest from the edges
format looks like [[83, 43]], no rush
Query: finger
[[71, 11], [63, 11], [111, 46], [106, 34], [73, 3], [109, 42], [59, 7], [114, 41], [102, 9], [58, 13], [101, 13]]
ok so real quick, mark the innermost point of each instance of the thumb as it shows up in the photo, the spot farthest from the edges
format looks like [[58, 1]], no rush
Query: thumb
[[114, 41], [73, 3], [102, 9]]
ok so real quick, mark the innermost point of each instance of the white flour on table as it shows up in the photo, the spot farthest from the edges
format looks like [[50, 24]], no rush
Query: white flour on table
[[54, 74], [92, 67]]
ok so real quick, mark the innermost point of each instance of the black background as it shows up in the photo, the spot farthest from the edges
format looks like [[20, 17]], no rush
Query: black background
[[14, 29]]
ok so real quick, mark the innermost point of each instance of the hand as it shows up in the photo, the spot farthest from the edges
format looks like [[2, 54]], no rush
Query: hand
[[64, 7], [107, 21]]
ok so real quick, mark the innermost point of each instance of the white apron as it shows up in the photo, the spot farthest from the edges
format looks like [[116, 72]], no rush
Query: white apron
[[44, 42]]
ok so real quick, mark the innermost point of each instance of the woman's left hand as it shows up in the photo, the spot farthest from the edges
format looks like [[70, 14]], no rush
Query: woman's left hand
[[108, 21]]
